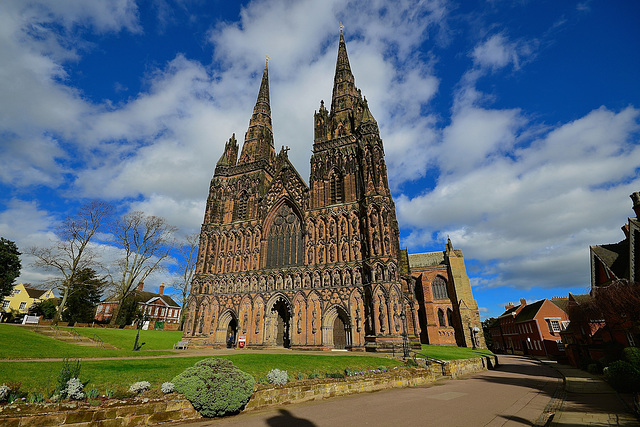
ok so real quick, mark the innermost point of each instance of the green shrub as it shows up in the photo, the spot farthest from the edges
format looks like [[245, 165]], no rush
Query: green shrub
[[215, 387], [632, 355], [334, 375], [623, 376]]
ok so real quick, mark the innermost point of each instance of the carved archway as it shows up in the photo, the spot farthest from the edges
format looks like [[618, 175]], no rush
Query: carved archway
[[336, 328], [277, 325]]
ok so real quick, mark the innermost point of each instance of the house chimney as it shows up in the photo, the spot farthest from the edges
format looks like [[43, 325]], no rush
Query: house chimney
[[509, 306], [161, 288], [523, 301], [636, 203], [140, 286]]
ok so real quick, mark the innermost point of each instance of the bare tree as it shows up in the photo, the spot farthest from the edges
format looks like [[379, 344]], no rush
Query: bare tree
[[72, 252], [146, 242], [188, 255]]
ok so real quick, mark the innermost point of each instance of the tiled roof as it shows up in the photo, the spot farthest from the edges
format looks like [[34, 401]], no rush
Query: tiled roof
[[562, 304], [429, 259], [33, 292], [529, 311], [615, 256]]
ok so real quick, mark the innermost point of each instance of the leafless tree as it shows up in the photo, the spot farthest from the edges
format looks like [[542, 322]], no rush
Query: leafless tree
[[72, 252], [146, 243], [188, 255]]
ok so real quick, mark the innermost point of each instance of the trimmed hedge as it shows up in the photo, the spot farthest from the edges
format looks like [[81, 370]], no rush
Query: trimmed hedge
[[215, 387]]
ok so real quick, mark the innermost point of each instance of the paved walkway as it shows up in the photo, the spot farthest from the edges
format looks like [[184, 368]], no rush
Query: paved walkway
[[514, 395], [587, 400]]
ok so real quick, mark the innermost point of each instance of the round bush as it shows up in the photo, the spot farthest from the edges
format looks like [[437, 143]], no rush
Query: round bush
[[215, 387], [623, 376]]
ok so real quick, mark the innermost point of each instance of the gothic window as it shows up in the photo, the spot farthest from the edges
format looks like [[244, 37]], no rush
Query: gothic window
[[337, 187], [441, 317], [450, 317], [240, 207], [285, 243], [439, 288]]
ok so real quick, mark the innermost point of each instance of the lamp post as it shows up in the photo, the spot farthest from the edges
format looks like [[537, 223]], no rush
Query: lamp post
[[405, 340]]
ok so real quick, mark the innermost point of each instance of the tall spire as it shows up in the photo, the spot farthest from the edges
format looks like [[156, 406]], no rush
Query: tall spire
[[258, 141], [344, 88]]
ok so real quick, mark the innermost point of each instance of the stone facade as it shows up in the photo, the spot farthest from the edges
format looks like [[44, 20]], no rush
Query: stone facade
[[318, 266]]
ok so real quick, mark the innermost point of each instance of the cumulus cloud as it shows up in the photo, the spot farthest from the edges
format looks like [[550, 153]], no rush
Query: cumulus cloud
[[536, 209]]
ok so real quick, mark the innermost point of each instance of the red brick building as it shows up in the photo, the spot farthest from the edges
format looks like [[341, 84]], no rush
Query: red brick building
[[155, 306], [531, 328]]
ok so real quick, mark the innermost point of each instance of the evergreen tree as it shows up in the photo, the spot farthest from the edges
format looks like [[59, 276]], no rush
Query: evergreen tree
[[47, 308], [84, 295], [9, 266]]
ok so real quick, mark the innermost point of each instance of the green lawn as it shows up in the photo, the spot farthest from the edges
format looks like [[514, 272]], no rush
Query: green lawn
[[120, 374], [124, 338], [20, 343], [445, 352]]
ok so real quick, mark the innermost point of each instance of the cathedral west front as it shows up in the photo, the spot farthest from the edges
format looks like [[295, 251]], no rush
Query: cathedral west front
[[319, 266]]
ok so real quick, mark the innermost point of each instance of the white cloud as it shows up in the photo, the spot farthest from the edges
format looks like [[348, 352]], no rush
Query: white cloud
[[534, 212], [498, 52]]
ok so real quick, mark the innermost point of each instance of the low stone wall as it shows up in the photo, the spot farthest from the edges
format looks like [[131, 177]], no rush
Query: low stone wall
[[321, 390], [458, 368], [114, 413]]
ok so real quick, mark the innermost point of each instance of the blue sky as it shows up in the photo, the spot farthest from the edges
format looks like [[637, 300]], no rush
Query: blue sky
[[510, 126]]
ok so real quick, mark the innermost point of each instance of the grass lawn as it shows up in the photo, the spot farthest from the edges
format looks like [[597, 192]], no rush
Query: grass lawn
[[445, 352], [120, 374], [124, 338], [20, 343]]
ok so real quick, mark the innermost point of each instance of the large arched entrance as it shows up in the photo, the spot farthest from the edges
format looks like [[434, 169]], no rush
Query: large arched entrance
[[283, 323]]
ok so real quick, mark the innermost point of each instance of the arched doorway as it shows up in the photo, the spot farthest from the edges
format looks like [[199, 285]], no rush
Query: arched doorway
[[283, 323], [232, 333], [339, 334]]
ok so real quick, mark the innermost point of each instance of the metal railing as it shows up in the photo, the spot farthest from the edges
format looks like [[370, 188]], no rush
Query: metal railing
[[98, 341]]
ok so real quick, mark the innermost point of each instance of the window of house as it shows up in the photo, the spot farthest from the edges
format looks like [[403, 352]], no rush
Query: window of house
[[450, 317], [554, 326], [23, 305], [631, 339], [560, 345], [5, 304], [100, 308], [439, 288], [441, 317]]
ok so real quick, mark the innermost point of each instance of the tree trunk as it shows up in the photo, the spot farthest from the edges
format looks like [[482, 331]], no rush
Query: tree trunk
[[56, 317]]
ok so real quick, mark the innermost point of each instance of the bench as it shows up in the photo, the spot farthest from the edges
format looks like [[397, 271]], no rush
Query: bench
[[181, 345]]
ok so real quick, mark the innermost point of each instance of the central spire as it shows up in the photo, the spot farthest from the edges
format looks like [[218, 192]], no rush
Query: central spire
[[344, 88], [258, 141]]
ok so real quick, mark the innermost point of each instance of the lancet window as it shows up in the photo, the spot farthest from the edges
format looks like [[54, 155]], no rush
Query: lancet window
[[240, 208], [439, 288], [336, 186], [284, 241]]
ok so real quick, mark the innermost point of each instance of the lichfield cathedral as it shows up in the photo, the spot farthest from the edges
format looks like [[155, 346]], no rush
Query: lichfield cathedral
[[319, 266]]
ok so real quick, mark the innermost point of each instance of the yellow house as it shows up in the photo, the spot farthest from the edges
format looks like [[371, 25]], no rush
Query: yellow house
[[23, 297]]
